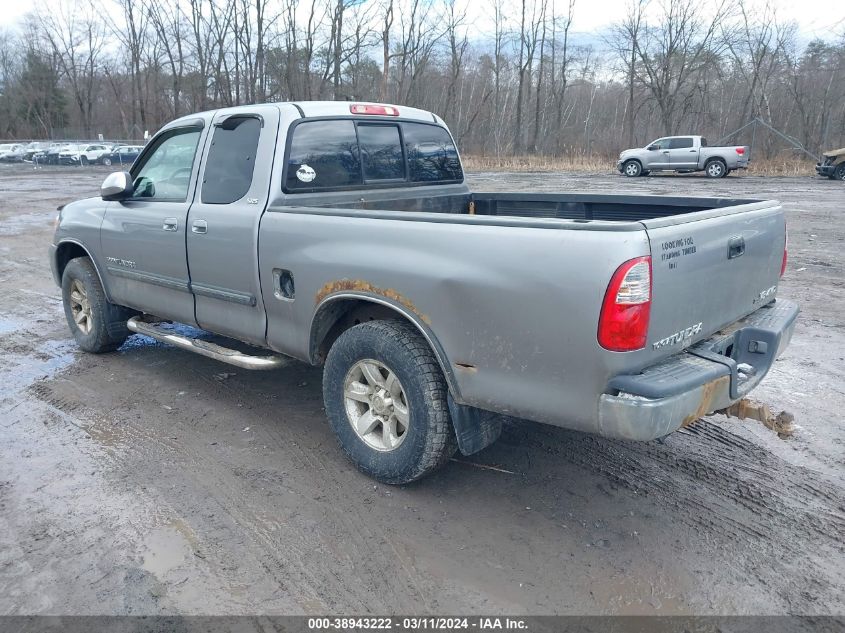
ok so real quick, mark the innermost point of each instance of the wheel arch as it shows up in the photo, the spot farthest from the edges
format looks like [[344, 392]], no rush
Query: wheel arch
[[69, 249], [339, 312]]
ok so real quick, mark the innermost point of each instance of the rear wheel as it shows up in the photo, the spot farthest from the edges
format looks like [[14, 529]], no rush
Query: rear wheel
[[839, 172], [716, 169], [97, 325], [632, 168], [385, 397]]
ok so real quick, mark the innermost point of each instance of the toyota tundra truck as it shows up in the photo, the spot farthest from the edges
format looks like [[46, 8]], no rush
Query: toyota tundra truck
[[683, 154], [345, 236]]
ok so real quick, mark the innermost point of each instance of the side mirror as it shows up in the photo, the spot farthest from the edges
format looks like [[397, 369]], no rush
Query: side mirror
[[651, 148], [116, 186]]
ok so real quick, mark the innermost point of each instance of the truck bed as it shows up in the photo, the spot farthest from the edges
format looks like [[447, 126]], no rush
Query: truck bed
[[562, 206]]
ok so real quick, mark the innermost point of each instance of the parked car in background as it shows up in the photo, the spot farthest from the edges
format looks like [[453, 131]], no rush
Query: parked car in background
[[86, 154], [122, 155], [51, 157], [10, 152], [31, 149], [832, 164], [683, 154], [39, 156], [69, 154]]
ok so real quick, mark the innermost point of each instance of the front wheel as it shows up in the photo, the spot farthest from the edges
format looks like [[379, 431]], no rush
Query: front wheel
[[716, 169], [839, 172], [83, 160], [97, 325], [106, 161], [385, 397], [632, 169]]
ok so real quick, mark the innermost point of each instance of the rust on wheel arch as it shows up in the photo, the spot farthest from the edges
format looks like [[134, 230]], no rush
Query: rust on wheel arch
[[360, 285]]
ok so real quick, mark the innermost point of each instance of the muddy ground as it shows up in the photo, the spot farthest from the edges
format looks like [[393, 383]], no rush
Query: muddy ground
[[154, 481]]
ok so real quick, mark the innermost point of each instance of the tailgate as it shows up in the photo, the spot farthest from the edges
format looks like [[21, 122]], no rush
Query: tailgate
[[711, 268]]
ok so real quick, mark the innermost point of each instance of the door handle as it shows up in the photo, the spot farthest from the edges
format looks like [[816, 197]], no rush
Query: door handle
[[665, 151], [199, 226], [170, 224], [693, 151]]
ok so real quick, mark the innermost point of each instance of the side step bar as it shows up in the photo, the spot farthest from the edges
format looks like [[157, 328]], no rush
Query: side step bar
[[204, 348]]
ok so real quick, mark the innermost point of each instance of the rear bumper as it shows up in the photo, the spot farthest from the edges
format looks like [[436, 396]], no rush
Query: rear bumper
[[710, 375]]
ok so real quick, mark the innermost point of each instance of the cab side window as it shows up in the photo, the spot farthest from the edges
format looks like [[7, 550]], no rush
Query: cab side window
[[683, 142], [661, 143], [231, 160], [165, 172]]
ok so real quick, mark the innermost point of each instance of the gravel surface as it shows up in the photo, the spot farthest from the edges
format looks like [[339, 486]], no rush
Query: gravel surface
[[154, 481]]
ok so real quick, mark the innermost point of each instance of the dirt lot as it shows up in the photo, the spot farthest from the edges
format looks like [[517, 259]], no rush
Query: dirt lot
[[154, 481]]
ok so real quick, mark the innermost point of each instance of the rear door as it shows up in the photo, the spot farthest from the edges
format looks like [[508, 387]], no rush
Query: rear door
[[711, 268], [222, 234], [682, 153]]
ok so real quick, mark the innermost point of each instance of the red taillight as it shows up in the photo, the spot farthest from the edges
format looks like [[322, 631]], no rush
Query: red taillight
[[740, 150], [623, 324], [382, 110], [785, 249]]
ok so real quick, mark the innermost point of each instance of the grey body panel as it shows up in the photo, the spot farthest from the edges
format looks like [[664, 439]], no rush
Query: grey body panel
[[506, 287], [510, 303]]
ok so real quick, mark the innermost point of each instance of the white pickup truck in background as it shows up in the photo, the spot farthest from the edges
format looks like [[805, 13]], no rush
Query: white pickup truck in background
[[682, 154]]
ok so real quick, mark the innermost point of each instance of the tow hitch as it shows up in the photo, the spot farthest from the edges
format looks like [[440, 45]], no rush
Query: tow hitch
[[782, 423]]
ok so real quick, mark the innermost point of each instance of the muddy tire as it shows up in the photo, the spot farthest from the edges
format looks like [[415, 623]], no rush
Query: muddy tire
[[385, 397], [716, 168], [632, 168], [97, 325]]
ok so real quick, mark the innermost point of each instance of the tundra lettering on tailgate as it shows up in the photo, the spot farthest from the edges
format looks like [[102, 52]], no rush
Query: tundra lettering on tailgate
[[678, 337]]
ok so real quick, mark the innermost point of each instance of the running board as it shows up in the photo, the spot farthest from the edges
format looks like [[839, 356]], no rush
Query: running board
[[204, 348]]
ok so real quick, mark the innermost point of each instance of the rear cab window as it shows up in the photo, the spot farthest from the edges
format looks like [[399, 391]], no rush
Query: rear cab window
[[323, 155], [353, 153]]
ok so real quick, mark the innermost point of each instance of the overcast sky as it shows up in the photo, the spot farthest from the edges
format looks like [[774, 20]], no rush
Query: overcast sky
[[815, 18]]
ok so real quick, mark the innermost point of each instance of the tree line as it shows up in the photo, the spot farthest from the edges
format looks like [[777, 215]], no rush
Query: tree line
[[525, 83]]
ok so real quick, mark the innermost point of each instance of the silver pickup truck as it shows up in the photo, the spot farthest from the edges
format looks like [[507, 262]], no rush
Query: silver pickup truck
[[345, 236], [683, 154]]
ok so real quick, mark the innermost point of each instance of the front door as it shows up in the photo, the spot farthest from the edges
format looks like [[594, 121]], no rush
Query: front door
[[658, 155], [222, 233], [143, 237]]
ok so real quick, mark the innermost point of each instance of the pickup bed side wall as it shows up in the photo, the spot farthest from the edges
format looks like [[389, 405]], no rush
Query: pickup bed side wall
[[514, 308]]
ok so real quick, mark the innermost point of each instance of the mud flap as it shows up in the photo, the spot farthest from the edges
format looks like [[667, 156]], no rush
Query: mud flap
[[474, 428]]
